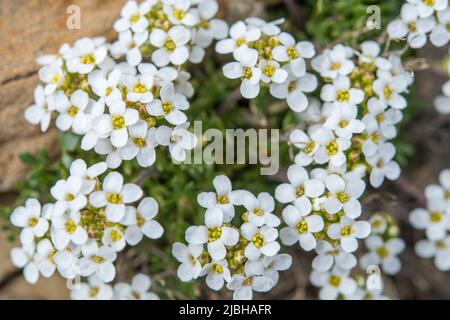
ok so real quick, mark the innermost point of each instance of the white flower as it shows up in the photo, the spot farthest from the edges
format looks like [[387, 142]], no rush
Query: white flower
[[94, 289], [169, 106], [293, 88], [272, 265], [329, 256], [188, 256], [223, 198], [383, 165], [300, 228], [98, 261], [333, 284], [348, 231], [334, 62], [259, 210], [114, 195], [141, 144], [383, 253], [293, 52], [85, 55], [137, 290], [133, 17], [262, 241], [114, 238], [299, 189], [370, 53], [269, 28], [434, 221], [78, 168], [373, 136], [271, 72], [426, 8], [66, 261], [171, 45], [442, 102], [240, 35], [214, 233], [331, 149], [341, 94], [179, 140], [72, 112], [440, 35], [386, 120], [104, 84], [389, 89], [66, 229], [53, 76], [41, 111], [307, 145], [243, 287], [246, 70], [217, 273], [68, 195], [183, 84], [343, 121], [178, 12], [139, 88], [23, 258], [44, 258], [29, 218], [410, 25], [439, 249], [129, 45], [140, 221], [116, 123], [440, 193]]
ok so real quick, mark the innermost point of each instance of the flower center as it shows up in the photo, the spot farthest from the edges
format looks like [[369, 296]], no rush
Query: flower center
[[114, 198], [258, 240], [118, 122], [88, 59], [292, 53], [429, 3], [170, 45], [269, 70], [309, 147], [412, 27], [167, 107], [375, 137], [139, 220], [343, 123], [140, 142], [134, 18], [139, 88], [216, 268], [335, 66], [97, 259], [441, 245], [214, 234], [32, 222], [342, 95], [342, 197], [258, 211], [248, 281], [387, 92], [435, 217], [223, 199], [55, 79], [108, 91], [382, 252], [332, 148], [247, 72], [300, 191], [70, 226], [240, 42], [447, 194], [302, 227], [178, 14], [447, 26], [335, 281], [93, 292], [69, 197], [72, 111], [292, 86], [115, 235], [347, 231]]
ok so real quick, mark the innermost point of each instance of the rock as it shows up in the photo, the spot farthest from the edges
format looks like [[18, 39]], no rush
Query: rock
[[31, 28]]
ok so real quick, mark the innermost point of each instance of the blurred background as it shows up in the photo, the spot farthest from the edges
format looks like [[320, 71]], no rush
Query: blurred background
[[31, 161]]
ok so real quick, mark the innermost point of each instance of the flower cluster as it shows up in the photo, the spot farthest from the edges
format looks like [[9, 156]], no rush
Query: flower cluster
[[420, 19], [247, 258], [95, 289], [266, 56], [81, 233], [384, 245], [125, 109], [435, 221]]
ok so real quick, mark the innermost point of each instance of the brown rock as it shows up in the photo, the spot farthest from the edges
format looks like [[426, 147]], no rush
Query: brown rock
[[31, 28]]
